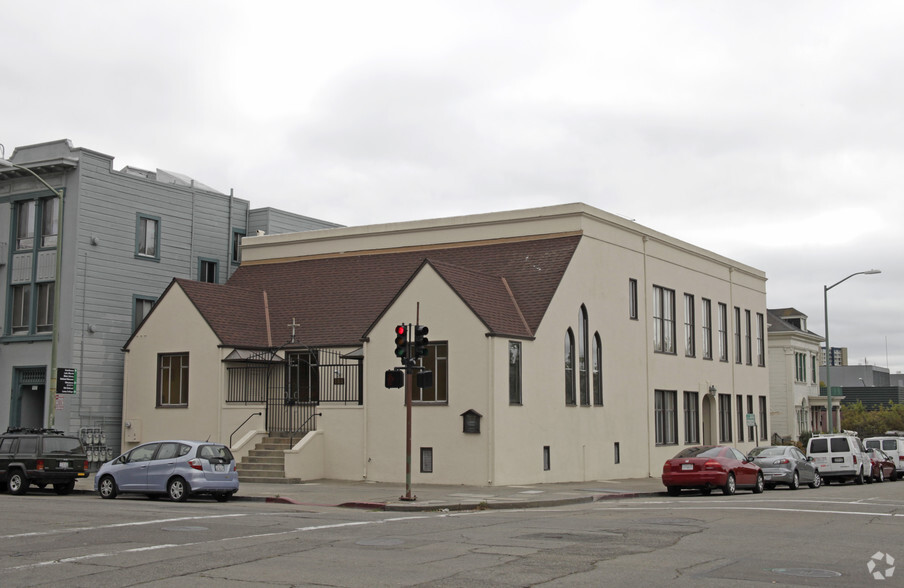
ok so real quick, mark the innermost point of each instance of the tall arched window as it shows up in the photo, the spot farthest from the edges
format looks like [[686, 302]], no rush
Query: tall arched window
[[597, 370], [583, 360], [569, 368]]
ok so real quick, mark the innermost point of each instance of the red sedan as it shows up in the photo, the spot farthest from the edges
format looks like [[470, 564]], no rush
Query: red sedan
[[883, 466], [707, 467]]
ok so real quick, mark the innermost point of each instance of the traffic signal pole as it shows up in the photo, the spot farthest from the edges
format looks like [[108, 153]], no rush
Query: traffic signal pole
[[409, 385]]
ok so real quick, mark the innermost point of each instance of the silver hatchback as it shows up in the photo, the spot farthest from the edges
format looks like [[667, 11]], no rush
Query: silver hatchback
[[177, 469], [786, 464]]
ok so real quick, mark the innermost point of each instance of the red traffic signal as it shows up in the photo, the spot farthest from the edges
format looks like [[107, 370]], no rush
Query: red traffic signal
[[395, 379], [401, 342]]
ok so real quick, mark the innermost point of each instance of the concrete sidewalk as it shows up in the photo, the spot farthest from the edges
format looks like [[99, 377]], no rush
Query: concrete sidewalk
[[429, 497]]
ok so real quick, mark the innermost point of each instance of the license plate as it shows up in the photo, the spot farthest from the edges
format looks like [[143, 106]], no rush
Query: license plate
[[64, 465], [219, 468], [687, 466], [837, 460]]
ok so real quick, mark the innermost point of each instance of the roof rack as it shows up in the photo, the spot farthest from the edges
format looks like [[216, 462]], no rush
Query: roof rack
[[35, 431]]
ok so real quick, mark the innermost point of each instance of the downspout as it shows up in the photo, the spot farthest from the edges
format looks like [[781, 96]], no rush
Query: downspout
[[491, 432], [229, 235], [651, 441]]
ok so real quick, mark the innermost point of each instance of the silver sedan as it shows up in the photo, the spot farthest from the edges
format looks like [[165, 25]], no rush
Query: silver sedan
[[787, 465]]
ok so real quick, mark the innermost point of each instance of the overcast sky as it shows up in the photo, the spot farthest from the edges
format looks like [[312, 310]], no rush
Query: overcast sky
[[769, 132]]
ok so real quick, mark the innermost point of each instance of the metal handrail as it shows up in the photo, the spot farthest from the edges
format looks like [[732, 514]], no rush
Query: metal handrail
[[242, 425], [292, 436]]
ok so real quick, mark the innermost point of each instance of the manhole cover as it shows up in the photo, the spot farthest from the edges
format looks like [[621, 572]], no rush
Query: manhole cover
[[184, 528], [806, 572], [380, 542]]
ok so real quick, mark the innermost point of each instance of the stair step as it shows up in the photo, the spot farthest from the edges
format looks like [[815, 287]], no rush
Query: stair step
[[268, 467]]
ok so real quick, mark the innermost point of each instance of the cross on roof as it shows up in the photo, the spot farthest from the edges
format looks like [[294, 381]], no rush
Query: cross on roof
[[293, 324]]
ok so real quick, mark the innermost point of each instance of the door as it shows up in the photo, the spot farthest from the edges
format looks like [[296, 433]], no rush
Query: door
[[132, 473]]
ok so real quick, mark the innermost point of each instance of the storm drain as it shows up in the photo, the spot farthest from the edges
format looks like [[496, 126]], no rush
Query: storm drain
[[806, 572]]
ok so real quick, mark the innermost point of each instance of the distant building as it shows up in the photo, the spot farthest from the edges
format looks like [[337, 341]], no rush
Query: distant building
[[793, 385], [858, 375], [125, 235], [837, 357]]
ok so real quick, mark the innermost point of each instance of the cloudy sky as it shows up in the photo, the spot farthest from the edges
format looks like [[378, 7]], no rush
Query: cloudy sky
[[770, 131]]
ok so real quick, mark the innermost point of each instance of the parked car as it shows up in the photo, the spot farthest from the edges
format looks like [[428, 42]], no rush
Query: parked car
[[40, 457], [893, 446], [785, 464], [707, 467], [883, 466], [839, 457], [177, 469]]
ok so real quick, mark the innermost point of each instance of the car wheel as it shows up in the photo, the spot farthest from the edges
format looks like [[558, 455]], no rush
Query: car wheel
[[178, 489], [730, 487], [17, 483], [674, 490], [894, 475], [64, 488], [795, 481], [106, 487], [760, 484], [706, 491], [859, 479], [817, 480]]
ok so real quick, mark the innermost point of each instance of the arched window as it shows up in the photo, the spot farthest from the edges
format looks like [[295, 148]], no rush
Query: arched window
[[597, 370], [583, 360], [569, 368]]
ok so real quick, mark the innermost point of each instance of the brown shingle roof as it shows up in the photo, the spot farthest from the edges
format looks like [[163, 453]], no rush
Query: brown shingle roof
[[336, 300]]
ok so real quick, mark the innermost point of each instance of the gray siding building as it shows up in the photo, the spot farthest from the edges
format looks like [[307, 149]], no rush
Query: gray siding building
[[125, 235]]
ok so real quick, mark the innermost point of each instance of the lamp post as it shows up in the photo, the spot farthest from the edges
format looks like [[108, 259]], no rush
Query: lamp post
[[55, 333], [825, 300]]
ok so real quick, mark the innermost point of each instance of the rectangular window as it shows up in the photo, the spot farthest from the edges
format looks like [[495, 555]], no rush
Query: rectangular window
[[725, 418], [303, 377], [737, 335], [547, 465], [208, 271], [142, 306], [570, 395], [597, 371], [44, 311], [172, 379], [437, 361], [691, 418], [723, 332], [426, 460], [750, 430], [760, 340], [237, 235], [747, 340], [800, 367], [617, 456], [632, 299], [21, 311], [813, 365], [764, 428], [689, 326], [147, 237], [514, 372], [25, 225], [663, 320], [707, 325], [50, 209], [666, 417], [740, 417]]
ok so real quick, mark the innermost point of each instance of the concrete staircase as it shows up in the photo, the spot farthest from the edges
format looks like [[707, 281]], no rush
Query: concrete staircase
[[266, 463]]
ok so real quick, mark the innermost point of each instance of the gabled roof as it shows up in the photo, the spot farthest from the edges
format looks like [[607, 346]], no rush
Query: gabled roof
[[508, 285], [776, 319]]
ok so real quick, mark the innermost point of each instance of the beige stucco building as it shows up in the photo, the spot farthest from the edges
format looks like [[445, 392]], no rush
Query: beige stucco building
[[567, 344]]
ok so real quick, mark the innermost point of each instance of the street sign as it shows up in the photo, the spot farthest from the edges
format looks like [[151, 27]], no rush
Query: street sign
[[66, 380], [751, 419]]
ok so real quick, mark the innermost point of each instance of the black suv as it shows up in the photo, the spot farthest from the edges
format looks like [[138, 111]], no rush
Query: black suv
[[41, 457]]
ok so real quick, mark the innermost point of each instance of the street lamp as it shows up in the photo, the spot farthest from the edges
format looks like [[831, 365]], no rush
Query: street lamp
[[55, 334], [825, 299]]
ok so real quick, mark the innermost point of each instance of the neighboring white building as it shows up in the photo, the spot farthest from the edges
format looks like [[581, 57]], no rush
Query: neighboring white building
[[793, 383], [567, 344]]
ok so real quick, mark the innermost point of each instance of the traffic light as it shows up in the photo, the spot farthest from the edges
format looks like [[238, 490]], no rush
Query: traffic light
[[395, 378], [401, 342], [420, 341]]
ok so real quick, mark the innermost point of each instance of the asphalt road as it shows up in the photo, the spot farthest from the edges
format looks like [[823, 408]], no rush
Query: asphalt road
[[822, 537]]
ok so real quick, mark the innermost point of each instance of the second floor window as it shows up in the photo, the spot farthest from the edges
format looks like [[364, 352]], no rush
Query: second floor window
[[663, 320], [147, 237], [706, 321], [689, 326], [437, 361], [723, 332]]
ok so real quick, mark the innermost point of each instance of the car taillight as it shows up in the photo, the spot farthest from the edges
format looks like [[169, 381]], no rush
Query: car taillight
[[86, 466], [195, 464], [40, 464], [712, 465], [855, 460], [781, 461]]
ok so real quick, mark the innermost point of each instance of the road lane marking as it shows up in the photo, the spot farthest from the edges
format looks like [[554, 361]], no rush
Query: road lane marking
[[120, 525], [758, 508]]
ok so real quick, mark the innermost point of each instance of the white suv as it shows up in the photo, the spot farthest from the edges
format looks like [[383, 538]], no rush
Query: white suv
[[893, 446], [840, 457]]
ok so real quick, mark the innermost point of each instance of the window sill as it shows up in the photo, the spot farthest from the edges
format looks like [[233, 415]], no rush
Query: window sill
[[25, 338]]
